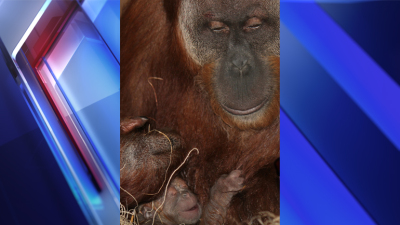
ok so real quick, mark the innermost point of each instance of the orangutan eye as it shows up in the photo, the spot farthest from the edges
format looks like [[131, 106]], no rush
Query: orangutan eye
[[217, 27], [252, 24]]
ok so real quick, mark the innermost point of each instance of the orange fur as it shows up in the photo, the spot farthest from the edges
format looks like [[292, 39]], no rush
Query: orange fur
[[152, 46]]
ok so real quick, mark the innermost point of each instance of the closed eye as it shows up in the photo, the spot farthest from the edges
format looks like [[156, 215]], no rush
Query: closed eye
[[217, 27], [252, 24]]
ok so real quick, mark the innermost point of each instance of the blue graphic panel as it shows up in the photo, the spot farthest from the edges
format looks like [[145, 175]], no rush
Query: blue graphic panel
[[105, 14], [367, 26], [319, 186], [344, 102], [33, 189], [88, 75], [93, 118]]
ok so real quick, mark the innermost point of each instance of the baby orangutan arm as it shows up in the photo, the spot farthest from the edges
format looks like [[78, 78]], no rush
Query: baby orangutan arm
[[221, 194]]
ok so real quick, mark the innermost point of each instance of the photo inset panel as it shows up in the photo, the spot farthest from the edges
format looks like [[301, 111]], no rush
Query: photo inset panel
[[200, 112]]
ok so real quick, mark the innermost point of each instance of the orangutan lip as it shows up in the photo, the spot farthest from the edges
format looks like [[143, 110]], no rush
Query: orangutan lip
[[193, 208], [247, 111]]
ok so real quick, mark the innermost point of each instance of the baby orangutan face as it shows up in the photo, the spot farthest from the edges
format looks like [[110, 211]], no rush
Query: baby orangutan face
[[180, 206]]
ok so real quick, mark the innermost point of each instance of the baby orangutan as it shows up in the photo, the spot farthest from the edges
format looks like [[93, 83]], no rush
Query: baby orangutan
[[181, 205], [144, 158]]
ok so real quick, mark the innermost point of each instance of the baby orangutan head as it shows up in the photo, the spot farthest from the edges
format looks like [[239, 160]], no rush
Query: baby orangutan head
[[180, 206]]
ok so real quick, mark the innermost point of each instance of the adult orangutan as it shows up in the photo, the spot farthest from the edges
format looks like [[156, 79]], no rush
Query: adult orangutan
[[208, 70]]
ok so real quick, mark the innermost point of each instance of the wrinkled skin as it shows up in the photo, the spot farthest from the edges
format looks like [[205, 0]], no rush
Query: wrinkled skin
[[144, 158], [237, 40], [220, 198], [182, 207]]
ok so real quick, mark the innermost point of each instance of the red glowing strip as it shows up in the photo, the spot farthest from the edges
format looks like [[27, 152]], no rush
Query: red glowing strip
[[37, 46], [47, 29]]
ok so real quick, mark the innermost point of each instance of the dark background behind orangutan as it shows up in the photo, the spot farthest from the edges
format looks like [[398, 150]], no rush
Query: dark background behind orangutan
[[196, 88]]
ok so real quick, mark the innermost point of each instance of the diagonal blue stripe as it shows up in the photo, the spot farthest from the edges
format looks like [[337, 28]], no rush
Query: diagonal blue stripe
[[310, 192], [371, 24], [359, 76], [359, 153]]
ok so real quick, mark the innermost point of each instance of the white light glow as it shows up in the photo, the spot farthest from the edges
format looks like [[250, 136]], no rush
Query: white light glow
[[30, 28]]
